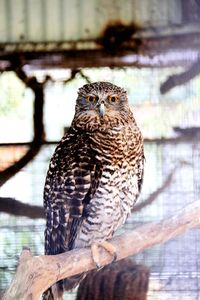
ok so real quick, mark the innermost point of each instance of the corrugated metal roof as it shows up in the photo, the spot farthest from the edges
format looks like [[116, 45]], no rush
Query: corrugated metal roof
[[38, 28], [75, 20]]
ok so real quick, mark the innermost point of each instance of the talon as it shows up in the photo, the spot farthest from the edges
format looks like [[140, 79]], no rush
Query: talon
[[95, 255], [110, 248], [114, 256], [99, 267], [95, 252]]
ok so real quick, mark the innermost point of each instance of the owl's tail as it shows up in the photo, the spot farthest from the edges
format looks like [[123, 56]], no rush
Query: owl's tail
[[59, 240], [56, 291]]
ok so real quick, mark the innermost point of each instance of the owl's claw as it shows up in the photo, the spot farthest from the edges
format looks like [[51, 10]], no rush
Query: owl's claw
[[98, 266], [95, 252], [114, 257]]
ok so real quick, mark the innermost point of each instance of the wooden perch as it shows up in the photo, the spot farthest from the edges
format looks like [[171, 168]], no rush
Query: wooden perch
[[35, 274]]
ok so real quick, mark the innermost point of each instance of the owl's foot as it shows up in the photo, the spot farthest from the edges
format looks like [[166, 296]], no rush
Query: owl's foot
[[95, 252]]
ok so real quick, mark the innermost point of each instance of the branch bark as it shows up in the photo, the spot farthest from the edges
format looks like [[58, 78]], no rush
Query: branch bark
[[35, 274]]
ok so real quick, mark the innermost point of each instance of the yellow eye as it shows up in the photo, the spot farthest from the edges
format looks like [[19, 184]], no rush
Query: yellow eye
[[92, 98], [113, 99]]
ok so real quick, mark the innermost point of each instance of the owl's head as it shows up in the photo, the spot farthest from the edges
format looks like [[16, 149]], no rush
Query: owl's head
[[101, 105]]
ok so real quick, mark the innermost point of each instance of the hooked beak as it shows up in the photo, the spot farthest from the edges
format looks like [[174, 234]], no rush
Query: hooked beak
[[102, 109]]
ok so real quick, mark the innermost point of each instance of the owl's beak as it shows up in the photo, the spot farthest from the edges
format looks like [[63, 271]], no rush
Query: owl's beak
[[102, 109]]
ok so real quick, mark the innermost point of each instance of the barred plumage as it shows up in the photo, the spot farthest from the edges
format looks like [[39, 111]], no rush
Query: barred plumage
[[95, 174]]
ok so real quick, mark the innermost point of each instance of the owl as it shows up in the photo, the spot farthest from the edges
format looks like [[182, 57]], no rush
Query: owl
[[94, 177]]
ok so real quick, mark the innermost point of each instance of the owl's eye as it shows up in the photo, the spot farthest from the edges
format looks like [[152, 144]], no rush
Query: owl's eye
[[92, 99], [113, 99]]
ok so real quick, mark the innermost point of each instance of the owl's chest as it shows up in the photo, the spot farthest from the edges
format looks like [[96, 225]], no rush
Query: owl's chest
[[118, 185], [120, 188], [114, 198], [116, 148], [109, 208]]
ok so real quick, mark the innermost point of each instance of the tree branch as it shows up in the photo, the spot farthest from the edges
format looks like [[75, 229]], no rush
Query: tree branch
[[9, 172], [35, 274], [153, 196], [39, 133], [18, 208], [180, 79]]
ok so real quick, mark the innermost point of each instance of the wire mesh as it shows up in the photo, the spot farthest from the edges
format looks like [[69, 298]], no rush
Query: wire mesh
[[175, 265]]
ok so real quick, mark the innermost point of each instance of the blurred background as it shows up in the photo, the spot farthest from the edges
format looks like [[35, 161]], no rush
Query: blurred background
[[48, 49]]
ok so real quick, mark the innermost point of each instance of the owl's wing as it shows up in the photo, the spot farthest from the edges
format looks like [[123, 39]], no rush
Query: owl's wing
[[140, 171], [71, 182]]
